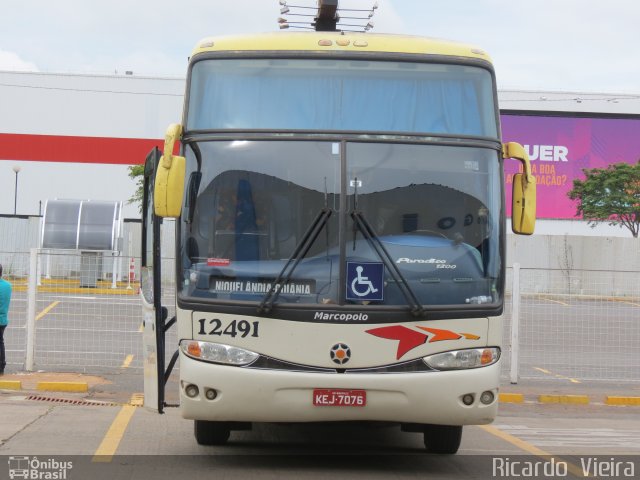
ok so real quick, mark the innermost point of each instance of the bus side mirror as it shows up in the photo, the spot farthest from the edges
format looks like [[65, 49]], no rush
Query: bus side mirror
[[523, 208], [169, 186]]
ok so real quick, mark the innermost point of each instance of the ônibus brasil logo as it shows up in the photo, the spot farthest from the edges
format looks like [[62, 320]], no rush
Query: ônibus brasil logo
[[38, 469]]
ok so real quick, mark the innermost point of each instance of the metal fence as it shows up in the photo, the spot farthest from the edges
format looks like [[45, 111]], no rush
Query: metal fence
[[74, 315], [570, 324]]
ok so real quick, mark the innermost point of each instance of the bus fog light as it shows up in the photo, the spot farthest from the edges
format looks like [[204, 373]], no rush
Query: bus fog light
[[487, 397], [218, 353], [210, 393], [468, 399], [463, 359], [191, 391]]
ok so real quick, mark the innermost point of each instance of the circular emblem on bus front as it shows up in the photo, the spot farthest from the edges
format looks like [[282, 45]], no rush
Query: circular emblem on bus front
[[340, 353]]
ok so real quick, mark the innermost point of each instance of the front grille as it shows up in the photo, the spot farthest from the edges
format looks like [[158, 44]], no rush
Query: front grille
[[268, 363]]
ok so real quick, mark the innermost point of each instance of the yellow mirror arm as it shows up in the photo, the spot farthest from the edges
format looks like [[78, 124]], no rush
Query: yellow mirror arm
[[517, 151], [171, 136]]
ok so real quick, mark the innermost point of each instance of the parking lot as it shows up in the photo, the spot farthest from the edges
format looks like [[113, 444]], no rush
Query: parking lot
[[120, 440], [560, 336], [97, 339]]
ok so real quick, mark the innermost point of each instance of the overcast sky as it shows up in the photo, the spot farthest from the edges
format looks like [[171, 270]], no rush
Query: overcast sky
[[564, 45]]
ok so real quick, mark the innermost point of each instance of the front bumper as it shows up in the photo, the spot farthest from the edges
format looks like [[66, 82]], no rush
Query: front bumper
[[253, 395]]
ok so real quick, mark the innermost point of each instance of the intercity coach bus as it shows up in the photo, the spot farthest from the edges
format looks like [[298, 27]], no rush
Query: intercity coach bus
[[340, 235]]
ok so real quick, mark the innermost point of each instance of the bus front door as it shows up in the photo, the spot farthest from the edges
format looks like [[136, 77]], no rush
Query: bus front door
[[154, 314]]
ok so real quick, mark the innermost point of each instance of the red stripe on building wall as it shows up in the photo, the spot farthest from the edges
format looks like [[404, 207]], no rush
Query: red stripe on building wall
[[54, 148]]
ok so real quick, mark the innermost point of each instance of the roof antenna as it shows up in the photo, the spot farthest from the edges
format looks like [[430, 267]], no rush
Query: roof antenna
[[326, 17]]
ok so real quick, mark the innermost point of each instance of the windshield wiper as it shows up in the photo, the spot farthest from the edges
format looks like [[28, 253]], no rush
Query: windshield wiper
[[370, 235], [302, 248]]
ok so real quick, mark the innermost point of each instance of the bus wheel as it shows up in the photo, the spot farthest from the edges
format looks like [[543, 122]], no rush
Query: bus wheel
[[443, 439], [211, 433]]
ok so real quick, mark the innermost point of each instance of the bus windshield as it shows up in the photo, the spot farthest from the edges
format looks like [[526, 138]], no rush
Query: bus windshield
[[434, 209], [341, 96]]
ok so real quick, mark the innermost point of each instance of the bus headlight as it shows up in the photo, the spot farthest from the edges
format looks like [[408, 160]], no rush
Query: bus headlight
[[218, 353], [463, 359]]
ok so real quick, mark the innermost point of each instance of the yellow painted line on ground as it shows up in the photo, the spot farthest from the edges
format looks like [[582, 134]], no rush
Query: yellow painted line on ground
[[63, 386], [47, 310], [137, 400], [532, 449], [628, 303], [555, 301], [542, 370], [613, 400], [127, 361], [511, 398], [564, 399], [563, 377], [113, 437], [10, 385]]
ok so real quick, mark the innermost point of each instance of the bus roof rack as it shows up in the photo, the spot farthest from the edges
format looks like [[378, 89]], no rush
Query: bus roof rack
[[326, 17]]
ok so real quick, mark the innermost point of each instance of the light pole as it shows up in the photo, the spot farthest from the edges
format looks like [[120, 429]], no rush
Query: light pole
[[16, 168]]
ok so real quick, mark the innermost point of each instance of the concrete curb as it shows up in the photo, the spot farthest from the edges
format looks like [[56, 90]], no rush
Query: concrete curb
[[75, 387], [63, 386], [10, 385], [615, 400], [83, 291], [61, 285], [551, 399], [511, 398], [565, 399]]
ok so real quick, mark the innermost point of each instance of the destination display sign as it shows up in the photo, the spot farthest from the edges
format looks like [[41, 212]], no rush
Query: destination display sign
[[261, 285]]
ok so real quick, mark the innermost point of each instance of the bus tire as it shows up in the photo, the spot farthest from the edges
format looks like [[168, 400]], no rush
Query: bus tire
[[211, 433], [442, 439]]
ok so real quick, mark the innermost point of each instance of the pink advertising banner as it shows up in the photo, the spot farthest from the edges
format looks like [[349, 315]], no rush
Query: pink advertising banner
[[560, 147]]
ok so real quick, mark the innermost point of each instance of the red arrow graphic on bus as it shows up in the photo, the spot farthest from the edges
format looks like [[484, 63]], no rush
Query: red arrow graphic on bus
[[409, 339], [439, 335]]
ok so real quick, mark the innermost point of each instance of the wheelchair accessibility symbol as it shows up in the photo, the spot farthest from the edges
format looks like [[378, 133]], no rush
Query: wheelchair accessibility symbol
[[365, 281]]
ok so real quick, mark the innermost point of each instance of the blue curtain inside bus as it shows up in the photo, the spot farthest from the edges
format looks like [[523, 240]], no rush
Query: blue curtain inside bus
[[329, 98]]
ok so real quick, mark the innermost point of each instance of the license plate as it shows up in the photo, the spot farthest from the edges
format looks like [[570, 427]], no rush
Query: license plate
[[331, 397]]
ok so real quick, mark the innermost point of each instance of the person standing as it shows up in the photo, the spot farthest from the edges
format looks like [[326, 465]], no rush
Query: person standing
[[5, 298]]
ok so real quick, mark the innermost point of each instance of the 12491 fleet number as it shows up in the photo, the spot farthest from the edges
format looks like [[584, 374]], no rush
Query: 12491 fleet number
[[234, 328]]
